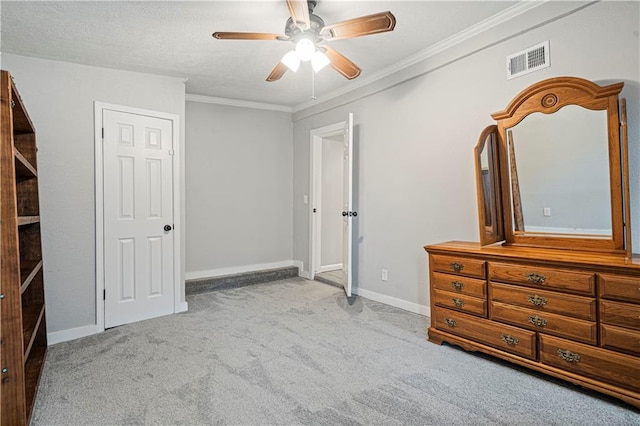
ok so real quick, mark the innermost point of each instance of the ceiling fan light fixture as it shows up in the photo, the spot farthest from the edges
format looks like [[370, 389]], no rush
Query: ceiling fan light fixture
[[319, 60], [291, 60], [305, 49]]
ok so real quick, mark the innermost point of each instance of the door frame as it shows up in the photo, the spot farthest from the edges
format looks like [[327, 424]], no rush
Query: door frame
[[315, 189], [178, 293]]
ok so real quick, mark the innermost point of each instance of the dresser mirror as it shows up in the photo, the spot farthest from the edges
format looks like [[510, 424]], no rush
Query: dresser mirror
[[488, 187], [560, 171]]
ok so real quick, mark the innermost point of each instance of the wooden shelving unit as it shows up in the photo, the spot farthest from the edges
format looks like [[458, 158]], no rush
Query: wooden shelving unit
[[22, 306]]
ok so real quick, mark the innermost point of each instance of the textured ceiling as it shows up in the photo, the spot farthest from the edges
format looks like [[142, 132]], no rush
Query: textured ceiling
[[174, 38]]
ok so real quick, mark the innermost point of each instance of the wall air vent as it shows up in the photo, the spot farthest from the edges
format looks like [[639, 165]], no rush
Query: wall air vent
[[531, 59]]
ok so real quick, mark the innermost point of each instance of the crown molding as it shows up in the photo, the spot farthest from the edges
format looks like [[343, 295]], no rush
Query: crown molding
[[237, 103], [434, 49]]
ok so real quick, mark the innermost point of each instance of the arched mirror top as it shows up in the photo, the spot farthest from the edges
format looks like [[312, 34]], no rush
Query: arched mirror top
[[548, 96]]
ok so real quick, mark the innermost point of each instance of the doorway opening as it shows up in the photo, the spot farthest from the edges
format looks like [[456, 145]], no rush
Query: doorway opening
[[331, 212], [329, 202]]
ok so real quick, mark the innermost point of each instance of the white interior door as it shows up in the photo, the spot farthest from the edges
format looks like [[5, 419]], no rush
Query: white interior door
[[138, 217], [347, 212]]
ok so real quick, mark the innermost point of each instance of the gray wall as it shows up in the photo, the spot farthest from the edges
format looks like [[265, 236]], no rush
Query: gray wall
[[414, 173], [239, 187], [414, 142], [59, 97]]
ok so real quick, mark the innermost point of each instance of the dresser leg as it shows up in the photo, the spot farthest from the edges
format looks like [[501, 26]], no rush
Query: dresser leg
[[433, 336]]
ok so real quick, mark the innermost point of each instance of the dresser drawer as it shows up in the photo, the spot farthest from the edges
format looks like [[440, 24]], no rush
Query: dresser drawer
[[598, 363], [545, 278], [545, 301], [459, 265], [458, 284], [620, 338], [461, 302], [622, 314], [619, 287], [545, 322], [500, 336]]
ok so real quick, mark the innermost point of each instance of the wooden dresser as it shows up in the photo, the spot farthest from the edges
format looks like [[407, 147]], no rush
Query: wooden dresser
[[572, 315], [553, 284]]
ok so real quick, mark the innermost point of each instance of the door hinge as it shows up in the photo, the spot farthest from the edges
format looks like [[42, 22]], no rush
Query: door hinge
[[104, 294], [103, 133]]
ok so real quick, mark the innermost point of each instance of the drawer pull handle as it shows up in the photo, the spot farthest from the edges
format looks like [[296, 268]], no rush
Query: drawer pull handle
[[536, 278], [456, 266], [459, 303], [457, 285], [537, 300], [451, 323], [537, 321], [569, 356], [509, 339]]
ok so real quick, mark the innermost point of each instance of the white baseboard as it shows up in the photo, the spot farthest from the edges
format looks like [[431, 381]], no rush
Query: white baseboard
[[89, 330], [570, 231], [305, 274], [72, 334], [194, 275], [301, 272], [329, 268], [394, 301]]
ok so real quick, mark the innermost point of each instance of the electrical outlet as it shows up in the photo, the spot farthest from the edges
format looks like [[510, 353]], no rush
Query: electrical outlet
[[385, 275], [546, 211]]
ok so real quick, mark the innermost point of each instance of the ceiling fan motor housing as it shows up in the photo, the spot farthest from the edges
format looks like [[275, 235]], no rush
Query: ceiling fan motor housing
[[313, 33]]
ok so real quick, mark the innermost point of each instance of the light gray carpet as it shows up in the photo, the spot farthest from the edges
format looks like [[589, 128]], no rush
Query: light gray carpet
[[295, 352]]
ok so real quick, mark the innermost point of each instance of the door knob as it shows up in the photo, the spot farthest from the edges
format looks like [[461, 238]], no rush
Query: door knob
[[355, 214], [167, 228], [344, 213]]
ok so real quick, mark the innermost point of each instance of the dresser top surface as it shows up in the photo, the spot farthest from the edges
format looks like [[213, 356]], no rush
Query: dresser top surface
[[538, 255]]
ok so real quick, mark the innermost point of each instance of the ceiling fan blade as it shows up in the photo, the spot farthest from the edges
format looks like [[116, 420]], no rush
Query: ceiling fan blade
[[248, 36], [362, 26], [299, 10], [341, 64], [277, 72]]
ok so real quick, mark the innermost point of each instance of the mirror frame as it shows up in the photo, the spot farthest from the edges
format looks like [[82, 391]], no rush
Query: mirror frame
[[549, 96], [495, 232]]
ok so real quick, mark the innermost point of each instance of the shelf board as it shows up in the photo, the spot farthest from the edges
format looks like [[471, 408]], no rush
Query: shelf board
[[32, 371], [21, 121], [28, 220], [28, 270], [23, 166], [31, 317]]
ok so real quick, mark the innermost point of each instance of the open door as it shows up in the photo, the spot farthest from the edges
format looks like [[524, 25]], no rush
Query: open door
[[347, 213]]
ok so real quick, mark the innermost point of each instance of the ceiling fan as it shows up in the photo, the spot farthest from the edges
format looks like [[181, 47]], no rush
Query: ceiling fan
[[310, 34]]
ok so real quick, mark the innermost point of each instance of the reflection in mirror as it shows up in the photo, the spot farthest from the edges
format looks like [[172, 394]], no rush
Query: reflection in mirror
[[488, 187], [485, 177], [559, 173]]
